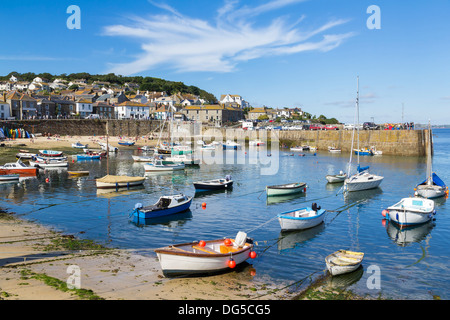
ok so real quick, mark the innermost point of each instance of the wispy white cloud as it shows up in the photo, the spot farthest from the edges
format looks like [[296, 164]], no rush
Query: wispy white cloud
[[190, 44]]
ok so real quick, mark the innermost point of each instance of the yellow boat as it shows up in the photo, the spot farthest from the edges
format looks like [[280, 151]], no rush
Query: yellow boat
[[78, 173]]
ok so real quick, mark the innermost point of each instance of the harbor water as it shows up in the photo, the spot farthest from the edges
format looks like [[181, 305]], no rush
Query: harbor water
[[398, 263]]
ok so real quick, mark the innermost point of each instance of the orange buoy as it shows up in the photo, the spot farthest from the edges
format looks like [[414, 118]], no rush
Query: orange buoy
[[252, 254], [204, 204], [385, 212], [201, 243], [47, 180], [231, 263], [227, 242]]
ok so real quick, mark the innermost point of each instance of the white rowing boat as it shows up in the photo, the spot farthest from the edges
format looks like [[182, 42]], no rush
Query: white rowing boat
[[343, 261]]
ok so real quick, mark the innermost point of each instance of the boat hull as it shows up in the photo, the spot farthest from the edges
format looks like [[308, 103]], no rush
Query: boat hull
[[9, 177], [288, 221], [284, 191], [162, 212], [412, 211], [25, 172], [116, 185], [212, 186], [162, 168], [176, 261], [336, 178], [364, 181], [49, 165], [430, 192], [343, 261]]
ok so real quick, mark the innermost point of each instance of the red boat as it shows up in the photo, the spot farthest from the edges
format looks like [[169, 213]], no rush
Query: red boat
[[18, 168]]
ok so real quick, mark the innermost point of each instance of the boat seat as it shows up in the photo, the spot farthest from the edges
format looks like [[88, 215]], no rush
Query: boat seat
[[203, 249]]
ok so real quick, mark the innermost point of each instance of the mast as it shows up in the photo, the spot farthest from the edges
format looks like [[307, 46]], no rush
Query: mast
[[357, 114], [353, 133], [429, 162], [107, 148]]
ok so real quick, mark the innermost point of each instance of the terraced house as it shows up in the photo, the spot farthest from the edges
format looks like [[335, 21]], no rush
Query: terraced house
[[22, 106], [213, 113]]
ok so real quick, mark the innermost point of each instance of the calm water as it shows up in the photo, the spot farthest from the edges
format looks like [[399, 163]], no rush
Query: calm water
[[413, 263]]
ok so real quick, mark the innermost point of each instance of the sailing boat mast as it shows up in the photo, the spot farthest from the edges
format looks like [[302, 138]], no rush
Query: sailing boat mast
[[357, 114], [429, 162], [107, 147], [353, 131]]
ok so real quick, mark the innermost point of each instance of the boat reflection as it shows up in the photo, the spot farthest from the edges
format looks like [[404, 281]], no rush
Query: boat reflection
[[281, 199], [363, 196], [288, 240], [206, 193], [405, 236], [111, 193], [345, 280]]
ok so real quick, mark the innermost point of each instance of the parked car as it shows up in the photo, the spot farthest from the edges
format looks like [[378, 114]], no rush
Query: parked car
[[331, 127], [315, 127], [351, 126], [370, 126]]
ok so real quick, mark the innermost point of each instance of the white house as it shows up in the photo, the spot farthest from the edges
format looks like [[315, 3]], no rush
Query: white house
[[83, 107], [132, 110], [233, 99], [4, 110]]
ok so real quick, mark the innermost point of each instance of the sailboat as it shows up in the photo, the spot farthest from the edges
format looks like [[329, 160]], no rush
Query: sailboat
[[432, 186], [362, 180], [116, 182]]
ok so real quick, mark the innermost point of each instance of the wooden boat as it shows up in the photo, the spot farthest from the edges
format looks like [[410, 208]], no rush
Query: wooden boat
[[158, 166], [205, 257], [411, 211], [166, 205], [362, 181], [126, 143], [300, 219], [88, 157], [111, 182], [216, 184], [51, 153], [363, 152], [286, 189], [9, 177], [343, 261], [78, 145], [142, 158], [49, 163], [334, 150], [78, 173], [110, 148], [18, 167], [231, 145], [25, 155], [256, 143], [336, 178]]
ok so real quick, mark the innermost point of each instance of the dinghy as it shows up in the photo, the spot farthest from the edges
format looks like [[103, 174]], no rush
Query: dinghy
[[411, 211], [205, 257], [343, 261], [300, 219], [286, 189], [217, 184], [78, 173], [231, 145], [111, 182], [126, 143], [159, 166], [78, 145], [51, 153], [336, 178], [166, 205]]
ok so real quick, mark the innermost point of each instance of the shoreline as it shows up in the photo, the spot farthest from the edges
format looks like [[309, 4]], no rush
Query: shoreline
[[32, 257]]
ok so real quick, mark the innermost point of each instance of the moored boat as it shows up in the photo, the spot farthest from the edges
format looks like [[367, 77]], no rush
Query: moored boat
[[88, 157], [286, 189], [231, 145], [78, 173], [300, 219], [109, 148], [79, 145], [9, 177], [216, 184], [111, 182], [158, 166], [343, 261], [411, 211], [205, 257], [256, 143], [142, 158], [49, 163], [18, 167], [166, 205], [336, 178], [51, 153], [126, 143]]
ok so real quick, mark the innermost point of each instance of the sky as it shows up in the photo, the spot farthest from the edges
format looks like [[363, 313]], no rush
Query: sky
[[274, 53]]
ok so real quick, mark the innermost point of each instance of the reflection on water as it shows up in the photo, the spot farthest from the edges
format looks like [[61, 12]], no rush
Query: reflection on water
[[406, 236], [352, 222]]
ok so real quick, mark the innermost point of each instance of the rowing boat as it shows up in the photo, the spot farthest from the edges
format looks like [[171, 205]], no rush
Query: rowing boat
[[205, 257], [166, 205], [343, 261], [300, 219], [286, 189]]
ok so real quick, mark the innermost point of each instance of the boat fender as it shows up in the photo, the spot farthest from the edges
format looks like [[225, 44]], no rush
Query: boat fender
[[231, 263], [138, 206], [385, 212]]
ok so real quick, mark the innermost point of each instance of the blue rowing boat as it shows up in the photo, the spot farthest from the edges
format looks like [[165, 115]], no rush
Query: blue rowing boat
[[166, 205]]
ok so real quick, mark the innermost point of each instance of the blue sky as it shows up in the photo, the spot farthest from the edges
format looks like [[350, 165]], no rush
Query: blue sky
[[278, 53]]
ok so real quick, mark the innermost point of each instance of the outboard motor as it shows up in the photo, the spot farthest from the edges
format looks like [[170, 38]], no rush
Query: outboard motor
[[228, 177], [315, 207]]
